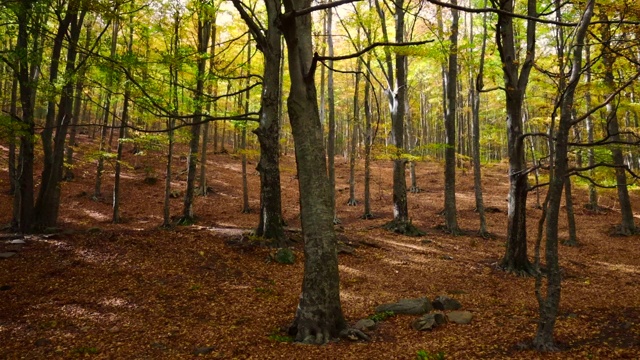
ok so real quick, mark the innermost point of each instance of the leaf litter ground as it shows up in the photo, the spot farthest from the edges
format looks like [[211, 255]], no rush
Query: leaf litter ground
[[132, 290]]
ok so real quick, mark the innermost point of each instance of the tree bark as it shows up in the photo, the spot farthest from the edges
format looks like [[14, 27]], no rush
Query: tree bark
[[516, 80], [270, 224], [204, 30], [103, 134], [548, 306], [319, 315], [627, 224], [450, 209], [475, 90]]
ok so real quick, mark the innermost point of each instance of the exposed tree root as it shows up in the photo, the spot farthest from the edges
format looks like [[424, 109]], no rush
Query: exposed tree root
[[186, 221], [415, 190], [403, 227], [620, 230], [525, 270], [352, 202], [354, 335], [367, 216]]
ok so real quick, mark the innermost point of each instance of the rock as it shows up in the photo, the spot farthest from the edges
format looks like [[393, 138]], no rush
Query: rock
[[429, 321], [18, 241], [203, 350], [460, 317], [6, 255], [446, 303], [42, 342], [417, 306], [365, 325]]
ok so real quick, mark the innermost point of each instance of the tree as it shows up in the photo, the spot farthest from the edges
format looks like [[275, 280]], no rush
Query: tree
[[451, 219], [627, 225], [204, 32], [28, 56], [548, 306], [269, 43], [516, 78], [319, 315], [475, 90], [396, 95]]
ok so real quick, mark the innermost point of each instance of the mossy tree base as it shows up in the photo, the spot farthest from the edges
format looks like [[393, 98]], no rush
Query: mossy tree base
[[525, 269], [404, 228]]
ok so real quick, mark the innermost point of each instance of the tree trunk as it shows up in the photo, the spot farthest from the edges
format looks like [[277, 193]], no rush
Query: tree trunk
[[319, 315], [475, 90], [368, 142], [245, 185], [548, 306], [204, 30], [29, 26], [331, 135], [122, 135], [354, 138], [270, 224], [627, 225], [450, 209], [515, 258], [103, 135]]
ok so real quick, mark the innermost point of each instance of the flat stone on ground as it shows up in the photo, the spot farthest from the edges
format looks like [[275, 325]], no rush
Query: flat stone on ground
[[6, 255], [365, 325], [416, 306], [460, 317]]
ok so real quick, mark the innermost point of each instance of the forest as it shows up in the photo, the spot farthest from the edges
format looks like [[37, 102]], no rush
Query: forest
[[348, 179]]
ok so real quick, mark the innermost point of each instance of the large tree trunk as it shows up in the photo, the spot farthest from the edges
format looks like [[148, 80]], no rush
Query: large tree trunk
[[27, 79], [516, 80], [48, 202], [319, 315]]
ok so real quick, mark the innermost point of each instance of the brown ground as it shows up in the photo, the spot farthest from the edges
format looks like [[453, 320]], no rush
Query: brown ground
[[132, 291]]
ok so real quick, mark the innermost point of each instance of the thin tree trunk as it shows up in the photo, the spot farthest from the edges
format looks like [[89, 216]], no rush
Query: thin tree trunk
[[331, 134], [627, 225], [450, 209], [245, 185], [548, 306], [204, 29], [475, 100], [205, 132], [354, 137], [103, 135], [122, 135], [368, 142]]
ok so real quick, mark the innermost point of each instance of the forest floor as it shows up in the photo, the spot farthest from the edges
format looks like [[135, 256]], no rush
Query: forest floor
[[135, 291]]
